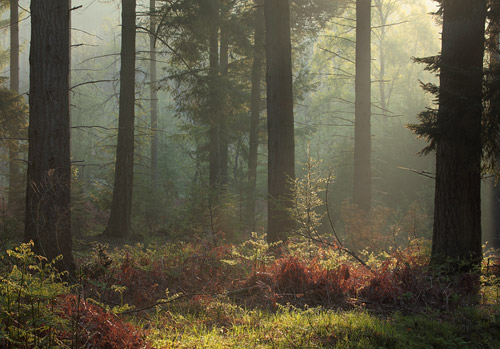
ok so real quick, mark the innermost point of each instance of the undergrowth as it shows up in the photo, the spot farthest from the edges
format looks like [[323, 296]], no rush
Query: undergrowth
[[196, 294]]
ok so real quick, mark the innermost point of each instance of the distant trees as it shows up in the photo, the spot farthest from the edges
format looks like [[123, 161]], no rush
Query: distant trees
[[255, 108], [384, 8], [14, 123], [362, 128], [153, 95], [14, 45], [215, 73], [48, 213], [208, 77], [121, 206], [217, 164], [217, 108], [280, 121], [15, 177]]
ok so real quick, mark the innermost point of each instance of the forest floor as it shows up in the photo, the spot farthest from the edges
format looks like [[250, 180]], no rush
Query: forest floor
[[200, 294]]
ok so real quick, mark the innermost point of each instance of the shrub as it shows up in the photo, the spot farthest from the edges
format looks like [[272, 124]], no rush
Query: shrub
[[97, 328], [28, 297]]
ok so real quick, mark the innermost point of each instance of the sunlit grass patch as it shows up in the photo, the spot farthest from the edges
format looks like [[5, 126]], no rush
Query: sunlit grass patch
[[289, 327]]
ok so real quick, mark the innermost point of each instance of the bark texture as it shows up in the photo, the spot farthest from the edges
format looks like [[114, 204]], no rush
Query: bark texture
[[457, 214], [48, 218], [119, 224], [362, 123], [280, 122]]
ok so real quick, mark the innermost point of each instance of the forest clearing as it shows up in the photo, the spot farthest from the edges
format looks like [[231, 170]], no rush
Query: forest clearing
[[250, 174]]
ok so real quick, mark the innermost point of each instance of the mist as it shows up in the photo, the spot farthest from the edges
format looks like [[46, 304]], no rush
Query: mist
[[207, 167]]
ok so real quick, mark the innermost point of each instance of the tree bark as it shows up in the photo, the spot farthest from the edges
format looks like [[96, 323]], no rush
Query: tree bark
[[48, 215], [280, 123], [457, 214], [362, 125], [255, 106], [15, 195], [119, 224]]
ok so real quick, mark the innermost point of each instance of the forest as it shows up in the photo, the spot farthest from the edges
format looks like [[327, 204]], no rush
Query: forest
[[250, 174]]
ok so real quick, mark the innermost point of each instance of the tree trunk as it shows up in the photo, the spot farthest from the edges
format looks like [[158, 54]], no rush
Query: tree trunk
[[381, 76], [494, 108], [14, 45], [281, 143], [362, 128], [153, 93], [15, 198], [213, 110], [223, 121], [48, 215], [457, 213], [119, 224], [255, 105]]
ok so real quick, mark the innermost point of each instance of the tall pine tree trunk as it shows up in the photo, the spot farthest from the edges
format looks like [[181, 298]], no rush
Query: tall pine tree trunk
[[362, 127], [119, 224], [213, 110], [153, 93], [48, 215], [382, 37], [223, 121], [14, 45], [255, 105], [153, 209], [495, 108], [15, 177], [457, 213], [280, 122]]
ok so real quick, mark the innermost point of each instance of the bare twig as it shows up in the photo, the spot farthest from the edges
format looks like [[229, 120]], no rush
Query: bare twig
[[421, 173], [338, 245]]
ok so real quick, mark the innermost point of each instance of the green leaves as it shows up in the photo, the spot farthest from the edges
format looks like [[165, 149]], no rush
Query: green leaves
[[256, 250], [28, 295]]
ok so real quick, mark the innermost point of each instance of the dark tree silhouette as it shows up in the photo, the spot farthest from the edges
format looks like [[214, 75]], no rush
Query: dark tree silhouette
[[255, 106], [48, 217], [213, 98], [14, 45], [223, 117], [15, 176], [280, 122], [153, 94], [457, 214], [218, 69], [121, 205], [494, 109], [362, 128]]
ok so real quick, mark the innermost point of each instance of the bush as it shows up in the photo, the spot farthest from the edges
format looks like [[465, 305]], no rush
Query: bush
[[28, 300], [93, 326]]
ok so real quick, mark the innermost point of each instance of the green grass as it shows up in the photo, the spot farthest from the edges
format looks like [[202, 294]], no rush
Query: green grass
[[222, 325]]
